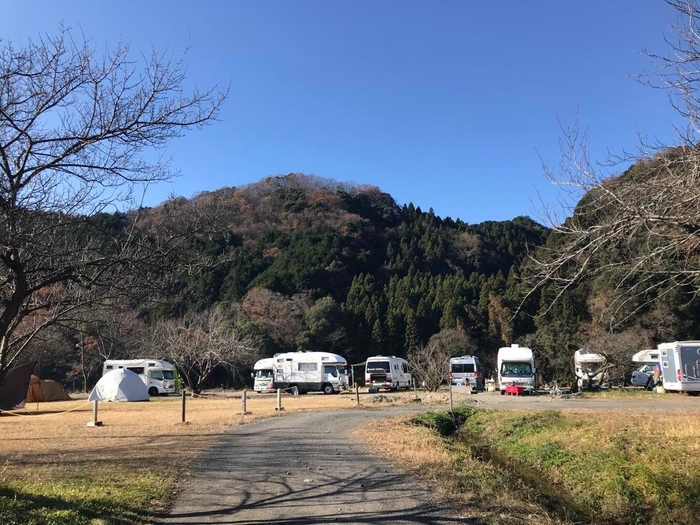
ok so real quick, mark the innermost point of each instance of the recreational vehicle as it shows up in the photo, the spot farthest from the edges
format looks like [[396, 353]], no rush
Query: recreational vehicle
[[680, 366], [263, 374], [516, 366], [387, 372], [466, 370], [158, 376], [649, 373], [310, 372], [590, 370]]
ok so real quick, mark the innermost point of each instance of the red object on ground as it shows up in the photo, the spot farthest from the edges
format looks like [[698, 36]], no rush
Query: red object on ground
[[515, 390]]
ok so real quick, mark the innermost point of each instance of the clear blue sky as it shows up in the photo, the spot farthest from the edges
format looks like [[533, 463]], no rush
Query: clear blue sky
[[446, 104]]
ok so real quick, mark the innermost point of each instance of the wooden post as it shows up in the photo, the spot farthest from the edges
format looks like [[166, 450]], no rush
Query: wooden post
[[95, 422], [357, 393], [243, 402], [279, 400], [450, 396], [184, 402]]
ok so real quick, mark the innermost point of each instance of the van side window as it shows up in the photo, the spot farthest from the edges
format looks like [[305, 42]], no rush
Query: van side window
[[156, 374], [136, 369], [307, 367], [109, 367]]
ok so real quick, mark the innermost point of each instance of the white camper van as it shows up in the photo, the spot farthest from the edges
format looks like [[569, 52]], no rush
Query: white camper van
[[310, 371], [388, 372], [680, 366], [159, 376], [263, 375], [466, 370], [516, 366], [588, 367]]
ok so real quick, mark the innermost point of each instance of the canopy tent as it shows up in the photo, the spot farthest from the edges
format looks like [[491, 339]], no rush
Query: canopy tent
[[119, 385]]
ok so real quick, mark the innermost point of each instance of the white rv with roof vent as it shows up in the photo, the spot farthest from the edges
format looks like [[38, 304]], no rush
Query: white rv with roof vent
[[304, 372], [516, 366], [387, 372], [263, 375], [590, 370]]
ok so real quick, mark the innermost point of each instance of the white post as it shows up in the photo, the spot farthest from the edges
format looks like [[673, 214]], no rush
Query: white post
[[95, 422], [279, 400]]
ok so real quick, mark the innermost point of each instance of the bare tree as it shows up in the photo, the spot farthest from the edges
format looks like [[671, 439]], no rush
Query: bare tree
[[431, 362], [637, 233], [200, 343], [75, 127]]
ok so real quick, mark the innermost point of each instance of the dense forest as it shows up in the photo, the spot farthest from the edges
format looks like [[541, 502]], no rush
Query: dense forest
[[298, 262]]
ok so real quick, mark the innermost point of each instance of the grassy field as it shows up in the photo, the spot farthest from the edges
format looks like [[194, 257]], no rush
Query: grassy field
[[56, 470], [555, 466]]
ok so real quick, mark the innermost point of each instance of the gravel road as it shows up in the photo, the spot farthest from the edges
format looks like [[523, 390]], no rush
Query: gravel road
[[304, 469]]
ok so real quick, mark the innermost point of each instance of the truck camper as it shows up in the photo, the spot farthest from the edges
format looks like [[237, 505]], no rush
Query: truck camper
[[158, 376], [516, 366], [590, 370]]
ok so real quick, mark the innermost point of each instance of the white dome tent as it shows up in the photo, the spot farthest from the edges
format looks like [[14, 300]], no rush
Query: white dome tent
[[119, 385]]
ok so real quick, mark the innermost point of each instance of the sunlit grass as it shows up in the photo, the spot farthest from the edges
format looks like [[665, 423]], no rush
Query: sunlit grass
[[608, 466]]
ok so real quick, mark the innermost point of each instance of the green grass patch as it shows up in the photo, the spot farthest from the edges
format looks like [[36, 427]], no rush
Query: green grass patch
[[598, 468], [86, 496]]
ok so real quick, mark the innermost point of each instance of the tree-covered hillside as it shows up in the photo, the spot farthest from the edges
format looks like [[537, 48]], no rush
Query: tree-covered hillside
[[302, 262]]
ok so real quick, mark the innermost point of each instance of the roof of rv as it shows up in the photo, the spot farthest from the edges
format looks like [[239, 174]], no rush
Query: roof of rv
[[325, 357], [264, 363], [646, 356], [586, 356], [514, 352]]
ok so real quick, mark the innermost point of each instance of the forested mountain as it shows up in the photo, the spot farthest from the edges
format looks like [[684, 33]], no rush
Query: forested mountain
[[309, 263], [297, 250]]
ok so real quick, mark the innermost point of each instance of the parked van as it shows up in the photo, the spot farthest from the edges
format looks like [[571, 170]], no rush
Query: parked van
[[590, 370], [158, 376], [466, 370], [680, 366], [310, 372], [516, 366], [388, 372], [263, 375]]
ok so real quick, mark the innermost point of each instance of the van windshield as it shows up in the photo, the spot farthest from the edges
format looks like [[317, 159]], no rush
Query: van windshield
[[378, 365], [516, 369], [263, 374]]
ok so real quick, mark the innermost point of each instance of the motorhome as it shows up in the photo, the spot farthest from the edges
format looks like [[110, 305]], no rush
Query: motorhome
[[263, 374], [387, 372], [466, 370], [158, 376], [590, 370], [680, 366], [516, 366], [310, 372]]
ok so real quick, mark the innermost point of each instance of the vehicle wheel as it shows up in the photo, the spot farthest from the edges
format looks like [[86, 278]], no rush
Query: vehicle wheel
[[328, 389], [294, 390], [153, 391], [503, 392]]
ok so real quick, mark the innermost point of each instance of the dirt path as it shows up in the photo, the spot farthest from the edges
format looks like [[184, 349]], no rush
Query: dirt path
[[303, 469]]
